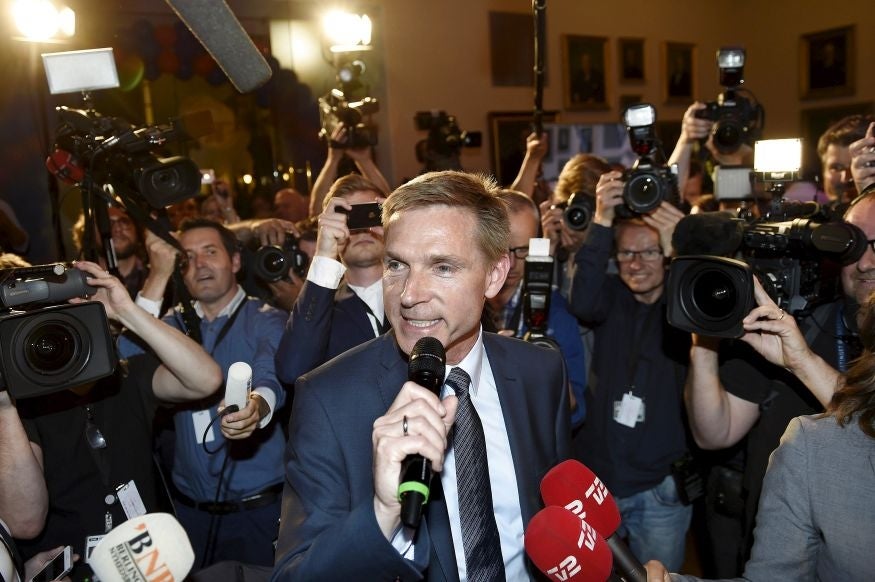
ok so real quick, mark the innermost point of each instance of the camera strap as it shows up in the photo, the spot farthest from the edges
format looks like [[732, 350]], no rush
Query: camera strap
[[17, 561]]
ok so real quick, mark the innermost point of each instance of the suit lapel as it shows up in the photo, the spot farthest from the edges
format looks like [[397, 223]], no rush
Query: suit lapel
[[357, 309]]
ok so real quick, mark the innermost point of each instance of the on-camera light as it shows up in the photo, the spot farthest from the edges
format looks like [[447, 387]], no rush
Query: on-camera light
[[778, 155]]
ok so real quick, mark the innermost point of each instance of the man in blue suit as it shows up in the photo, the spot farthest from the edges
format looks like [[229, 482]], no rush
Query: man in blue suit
[[356, 419], [341, 303]]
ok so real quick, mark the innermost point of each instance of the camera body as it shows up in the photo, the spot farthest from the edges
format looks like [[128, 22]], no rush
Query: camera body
[[649, 181], [737, 120], [647, 184], [335, 110], [445, 137], [49, 349], [578, 211], [273, 263], [796, 259]]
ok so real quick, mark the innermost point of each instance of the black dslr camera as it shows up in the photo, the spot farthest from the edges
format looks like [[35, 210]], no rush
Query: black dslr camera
[[273, 263], [578, 210], [49, 349], [649, 181], [738, 119]]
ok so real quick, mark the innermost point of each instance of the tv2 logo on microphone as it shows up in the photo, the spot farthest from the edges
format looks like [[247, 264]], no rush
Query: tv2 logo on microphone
[[568, 568], [597, 491]]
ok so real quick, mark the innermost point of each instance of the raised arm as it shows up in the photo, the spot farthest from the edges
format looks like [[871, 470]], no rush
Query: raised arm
[[536, 149], [187, 371], [863, 159], [24, 499]]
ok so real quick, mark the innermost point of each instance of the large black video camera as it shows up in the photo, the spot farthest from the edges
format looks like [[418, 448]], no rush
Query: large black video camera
[[738, 118], [445, 137], [355, 116], [109, 150], [796, 258], [49, 349], [649, 181], [273, 263]]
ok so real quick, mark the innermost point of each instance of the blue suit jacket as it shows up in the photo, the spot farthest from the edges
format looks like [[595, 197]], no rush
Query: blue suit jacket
[[328, 528], [323, 324]]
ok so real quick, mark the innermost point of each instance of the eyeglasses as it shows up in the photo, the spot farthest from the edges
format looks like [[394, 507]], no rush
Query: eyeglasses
[[92, 432], [871, 244], [645, 255], [519, 252]]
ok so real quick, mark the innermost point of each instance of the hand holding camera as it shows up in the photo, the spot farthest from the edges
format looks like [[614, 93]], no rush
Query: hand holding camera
[[863, 160], [608, 195]]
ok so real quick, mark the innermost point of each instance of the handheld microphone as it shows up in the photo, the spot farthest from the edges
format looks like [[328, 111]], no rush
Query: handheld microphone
[[565, 547], [148, 547], [427, 367], [572, 485], [237, 387], [216, 27]]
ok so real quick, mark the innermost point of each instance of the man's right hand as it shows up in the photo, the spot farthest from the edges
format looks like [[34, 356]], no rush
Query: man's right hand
[[162, 255], [333, 233], [694, 128], [608, 195], [428, 423], [863, 159]]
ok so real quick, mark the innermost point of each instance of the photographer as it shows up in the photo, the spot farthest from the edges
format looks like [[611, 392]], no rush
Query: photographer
[[732, 392], [364, 161], [508, 307], [91, 444], [330, 316], [634, 429]]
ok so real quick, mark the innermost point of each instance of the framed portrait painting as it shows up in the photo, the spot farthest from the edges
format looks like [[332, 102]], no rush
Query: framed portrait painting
[[826, 63], [679, 72], [584, 72], [630, 59]]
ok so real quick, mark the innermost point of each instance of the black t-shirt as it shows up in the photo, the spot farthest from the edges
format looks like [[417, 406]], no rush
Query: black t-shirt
[[778, 393], [80, 478]]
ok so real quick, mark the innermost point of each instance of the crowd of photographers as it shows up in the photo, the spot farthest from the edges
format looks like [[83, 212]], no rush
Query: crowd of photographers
[[681, 381]]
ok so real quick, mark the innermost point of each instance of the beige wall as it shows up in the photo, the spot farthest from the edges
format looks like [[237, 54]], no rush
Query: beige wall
[[436, 55]]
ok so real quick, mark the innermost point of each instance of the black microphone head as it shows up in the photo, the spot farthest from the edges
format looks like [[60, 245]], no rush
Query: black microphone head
[[427, 363], [707, 233]]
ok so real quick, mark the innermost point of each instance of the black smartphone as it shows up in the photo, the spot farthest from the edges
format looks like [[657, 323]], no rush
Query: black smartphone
[[56, 568], [363, 216]]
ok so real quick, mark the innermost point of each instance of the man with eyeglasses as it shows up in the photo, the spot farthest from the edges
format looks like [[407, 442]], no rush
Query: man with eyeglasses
[[506, 308], [76, 463], [634, 428]]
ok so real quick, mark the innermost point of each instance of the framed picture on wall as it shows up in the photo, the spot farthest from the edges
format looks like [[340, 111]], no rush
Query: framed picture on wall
[[679, 72], [508, 131], [584, 72], [630, 57], [826, 63]]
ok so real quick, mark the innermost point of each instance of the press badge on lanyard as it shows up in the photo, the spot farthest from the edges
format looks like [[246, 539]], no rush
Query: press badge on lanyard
[[629, 410]]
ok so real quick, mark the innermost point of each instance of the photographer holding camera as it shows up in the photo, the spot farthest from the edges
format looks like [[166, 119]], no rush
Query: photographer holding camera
[[341, 303], [509, 309], [634, 430], [77, 462], [733, 393]]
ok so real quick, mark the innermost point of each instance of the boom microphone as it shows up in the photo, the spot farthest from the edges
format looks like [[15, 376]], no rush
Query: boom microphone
[[148, 547], [565, 547], [427, 367], [572, 485], [216, 27]]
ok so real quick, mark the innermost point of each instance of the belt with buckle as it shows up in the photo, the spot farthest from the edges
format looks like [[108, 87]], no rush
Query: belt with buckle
[[254, 501]]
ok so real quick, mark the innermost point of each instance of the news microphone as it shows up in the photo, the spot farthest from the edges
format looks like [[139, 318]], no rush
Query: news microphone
[[572, 485], [237, 387], [426, 367], [213, 23], [148, 547], [565, 547]]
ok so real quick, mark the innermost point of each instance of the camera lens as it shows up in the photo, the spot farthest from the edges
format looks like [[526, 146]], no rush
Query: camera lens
[[727, 136], [643, 192], [714, 294], [51, 347], [271, 264], [579, 210]]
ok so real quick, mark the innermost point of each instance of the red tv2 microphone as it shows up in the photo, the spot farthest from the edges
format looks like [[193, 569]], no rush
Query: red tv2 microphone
[[572, 485], [427, 367], [565, 547]]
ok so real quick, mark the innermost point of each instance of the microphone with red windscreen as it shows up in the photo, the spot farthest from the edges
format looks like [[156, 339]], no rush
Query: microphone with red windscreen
[[572, 485], [564, 547]]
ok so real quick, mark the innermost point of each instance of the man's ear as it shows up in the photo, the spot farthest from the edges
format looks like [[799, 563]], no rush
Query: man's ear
[[496, 276], [236, 262]]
